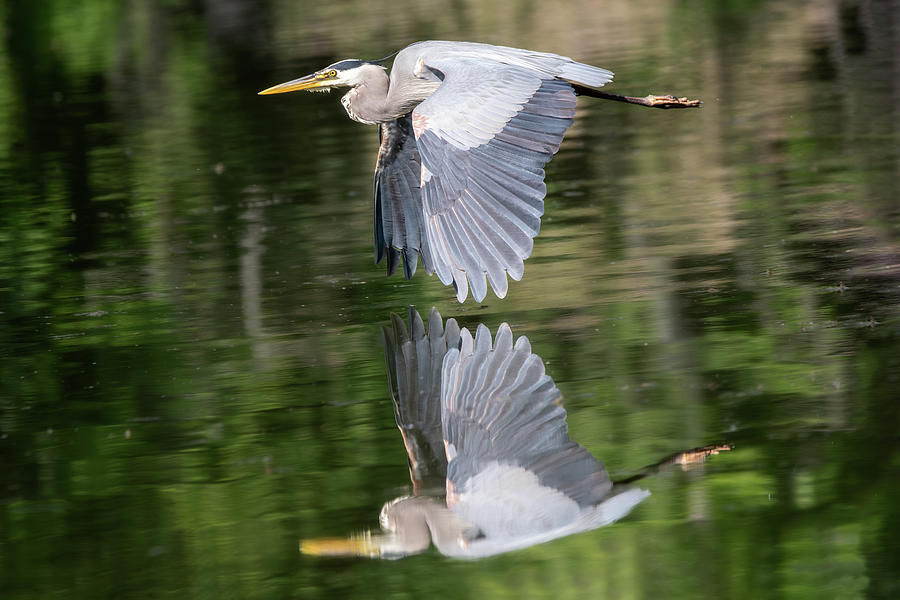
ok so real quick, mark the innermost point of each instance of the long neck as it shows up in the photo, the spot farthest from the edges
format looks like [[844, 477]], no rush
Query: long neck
[[419, 520], [367, 102], [379, 99]]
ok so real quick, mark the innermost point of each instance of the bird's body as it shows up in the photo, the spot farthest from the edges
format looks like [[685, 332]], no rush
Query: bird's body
[[466, 130], [491, 463]]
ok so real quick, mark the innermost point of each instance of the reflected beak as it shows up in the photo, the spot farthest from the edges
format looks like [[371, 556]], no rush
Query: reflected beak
[[308, 82], [363, 545]]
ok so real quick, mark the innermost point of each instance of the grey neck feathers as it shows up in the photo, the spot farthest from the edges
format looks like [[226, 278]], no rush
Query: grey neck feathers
[[420, 520], [379, 99], [367, 101]]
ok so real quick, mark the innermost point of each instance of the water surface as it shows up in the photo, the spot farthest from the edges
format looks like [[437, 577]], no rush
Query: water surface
[[192, 379]]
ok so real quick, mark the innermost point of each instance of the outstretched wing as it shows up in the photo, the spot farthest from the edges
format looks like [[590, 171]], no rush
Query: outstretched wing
[[399, 221], [484, 137], [414, 359], [512, 468]]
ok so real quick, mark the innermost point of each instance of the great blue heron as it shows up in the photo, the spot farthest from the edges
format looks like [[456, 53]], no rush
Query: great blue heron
[[482, 425], [466, 130]]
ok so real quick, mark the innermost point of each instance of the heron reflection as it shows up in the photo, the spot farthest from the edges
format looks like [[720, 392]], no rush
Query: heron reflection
[[490, 460], [465, 132]]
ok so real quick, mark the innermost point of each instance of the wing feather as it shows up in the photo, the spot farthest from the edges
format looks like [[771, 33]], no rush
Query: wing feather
[[414, 358], [499, 409], [399, 220], [494, 255], [484, 137], [460, 181], [495, 224]]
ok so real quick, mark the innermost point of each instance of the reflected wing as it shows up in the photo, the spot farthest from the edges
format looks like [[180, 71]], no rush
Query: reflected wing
[[507, 440], [414, 358], [484, 137], [399, 221]]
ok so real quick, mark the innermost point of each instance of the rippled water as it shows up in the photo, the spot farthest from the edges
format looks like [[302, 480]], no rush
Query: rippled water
[[192, 377]]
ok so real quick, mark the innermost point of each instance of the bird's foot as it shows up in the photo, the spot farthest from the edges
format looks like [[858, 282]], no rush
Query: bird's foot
[[668, 101], [698, 455]]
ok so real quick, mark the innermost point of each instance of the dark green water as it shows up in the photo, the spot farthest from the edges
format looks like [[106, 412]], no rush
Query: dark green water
[[191, 377]]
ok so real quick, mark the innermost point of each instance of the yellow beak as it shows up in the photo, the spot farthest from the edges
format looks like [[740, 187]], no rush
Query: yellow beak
[[304, 83], [354, 546]]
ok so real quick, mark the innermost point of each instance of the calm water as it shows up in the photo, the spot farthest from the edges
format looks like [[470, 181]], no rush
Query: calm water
[[192, 378]]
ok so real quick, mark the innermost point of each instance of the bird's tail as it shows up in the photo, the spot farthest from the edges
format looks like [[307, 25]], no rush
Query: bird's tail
[[616, 507], [584, 76]]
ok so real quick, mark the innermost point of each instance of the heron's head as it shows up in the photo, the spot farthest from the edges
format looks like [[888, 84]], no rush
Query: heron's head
[[345, 73]]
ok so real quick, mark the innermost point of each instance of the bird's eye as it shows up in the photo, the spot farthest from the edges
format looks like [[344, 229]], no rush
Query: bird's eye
[[332, 73]]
